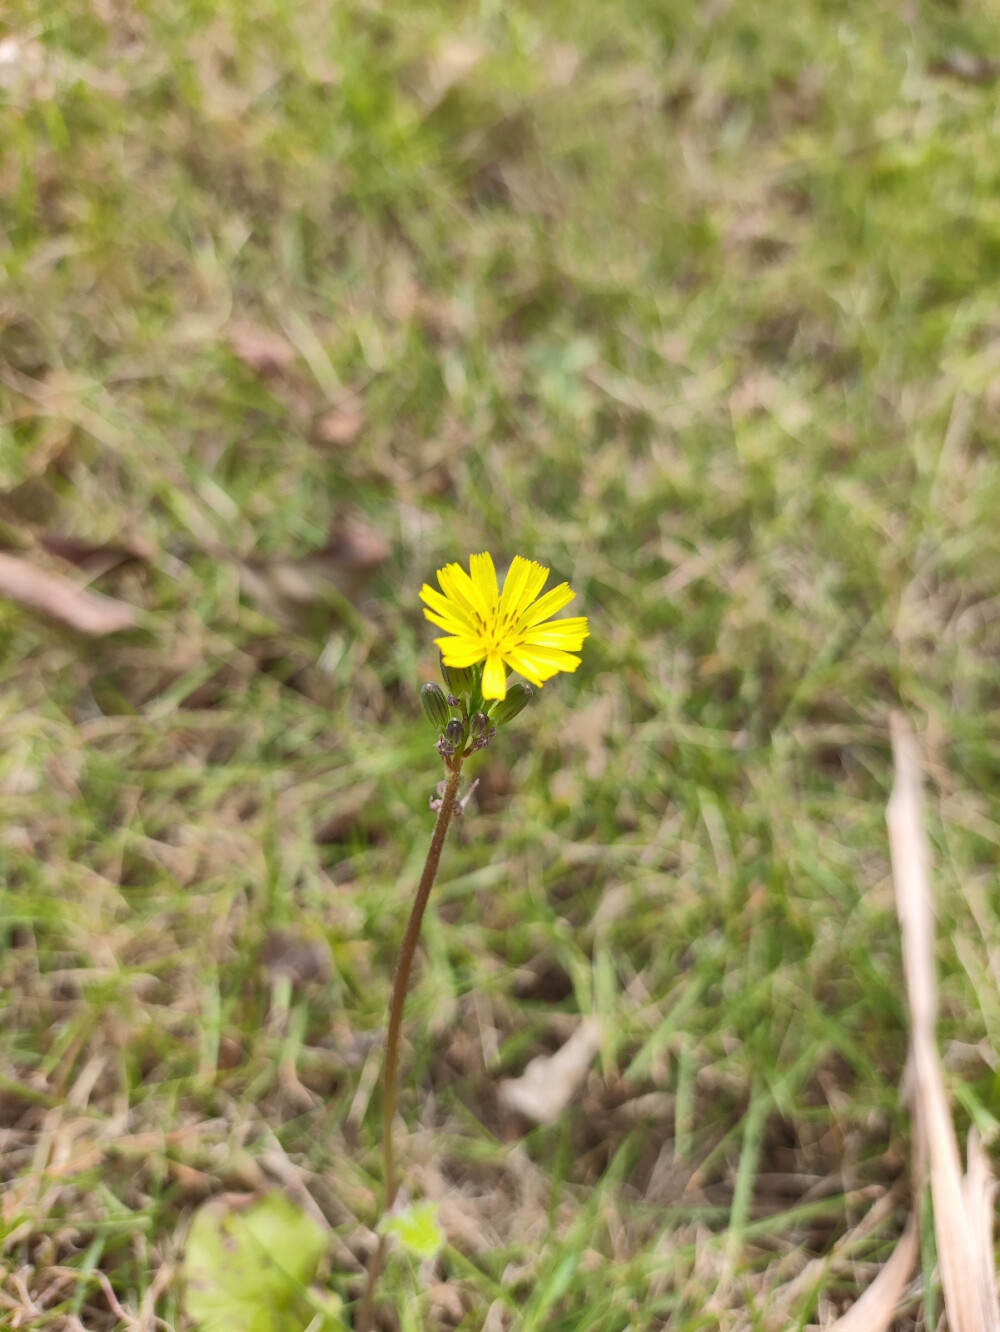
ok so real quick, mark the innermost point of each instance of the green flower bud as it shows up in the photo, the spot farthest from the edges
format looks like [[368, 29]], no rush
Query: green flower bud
[[435, 705], [518, 697], [454, 732], [461, 680], [478, 724]]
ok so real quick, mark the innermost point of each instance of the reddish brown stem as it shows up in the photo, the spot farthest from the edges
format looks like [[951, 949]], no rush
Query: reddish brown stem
[[401, 984]]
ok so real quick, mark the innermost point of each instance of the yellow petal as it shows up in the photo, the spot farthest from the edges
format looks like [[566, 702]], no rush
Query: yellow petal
[[484, 579], [568, 634], [524, 581], [460, 651], [562, 661], [446, 607], [448, 622], [494, 677], [547, 606], [458, 587], [545, 662], [520, 662]]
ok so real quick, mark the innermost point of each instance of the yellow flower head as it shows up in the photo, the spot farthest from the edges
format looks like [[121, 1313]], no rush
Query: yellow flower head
[[503, 628]]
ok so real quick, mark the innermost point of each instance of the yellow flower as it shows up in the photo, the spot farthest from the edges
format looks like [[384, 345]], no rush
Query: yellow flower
[[503, 628]]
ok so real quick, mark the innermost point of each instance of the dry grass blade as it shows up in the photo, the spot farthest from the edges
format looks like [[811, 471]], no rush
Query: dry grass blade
[[963, 1206], [876, 1308], [980, 1199], [86, 612], [963, 1226]]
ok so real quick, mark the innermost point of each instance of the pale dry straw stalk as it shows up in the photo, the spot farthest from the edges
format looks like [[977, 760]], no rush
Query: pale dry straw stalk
[[963, 1205]]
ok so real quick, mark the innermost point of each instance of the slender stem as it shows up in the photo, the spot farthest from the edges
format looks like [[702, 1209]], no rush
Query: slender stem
[[404, 965]]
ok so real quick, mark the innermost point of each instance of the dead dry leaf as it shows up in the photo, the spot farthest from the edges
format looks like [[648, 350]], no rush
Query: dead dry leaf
[[98, 557], [966, 67], [550, 1082], [260, 348], [300, 959], [57, 597], [341, 569], [445, 1305], [341, 425], [22, 66], [451, 64], [561, 63]]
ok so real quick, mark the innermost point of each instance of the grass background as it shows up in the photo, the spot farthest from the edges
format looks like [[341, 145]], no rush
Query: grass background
[[696, 304]]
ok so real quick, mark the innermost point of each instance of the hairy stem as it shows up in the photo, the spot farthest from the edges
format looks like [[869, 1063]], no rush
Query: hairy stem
[[401, 984]]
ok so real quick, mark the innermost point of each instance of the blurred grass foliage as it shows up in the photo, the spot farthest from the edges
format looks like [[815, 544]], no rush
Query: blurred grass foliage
[[697, 305]]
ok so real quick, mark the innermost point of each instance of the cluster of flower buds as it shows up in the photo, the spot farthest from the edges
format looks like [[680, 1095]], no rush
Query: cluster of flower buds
[[465, 721]]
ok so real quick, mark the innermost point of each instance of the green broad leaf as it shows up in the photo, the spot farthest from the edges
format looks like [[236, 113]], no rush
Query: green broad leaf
[[416, 1228], [248, 1268]]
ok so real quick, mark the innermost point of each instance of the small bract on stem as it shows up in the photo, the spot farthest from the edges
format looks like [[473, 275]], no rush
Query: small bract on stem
[[488, 631]]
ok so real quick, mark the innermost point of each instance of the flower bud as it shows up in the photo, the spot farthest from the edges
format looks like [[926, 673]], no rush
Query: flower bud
[[435, 705], [455, 731], [478, 723], [461, 680], [518, 697]]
